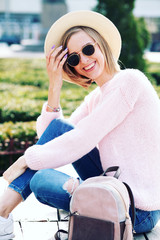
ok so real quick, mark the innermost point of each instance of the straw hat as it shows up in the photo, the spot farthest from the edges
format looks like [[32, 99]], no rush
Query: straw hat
[[84, 18]]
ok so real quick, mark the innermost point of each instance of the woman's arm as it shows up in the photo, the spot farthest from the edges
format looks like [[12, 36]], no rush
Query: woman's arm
[[54, 64], [83, 138], [15, 170], [116, 105]]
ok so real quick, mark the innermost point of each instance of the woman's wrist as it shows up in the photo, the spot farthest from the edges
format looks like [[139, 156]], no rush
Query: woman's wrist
[[53, 100], [53, 109], [22, 162]]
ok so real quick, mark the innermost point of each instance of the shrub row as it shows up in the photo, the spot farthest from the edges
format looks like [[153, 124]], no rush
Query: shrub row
[[20, 130], [24, 72], [24, 103]]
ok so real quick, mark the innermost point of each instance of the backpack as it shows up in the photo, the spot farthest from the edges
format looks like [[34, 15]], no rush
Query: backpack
[[99, 209]]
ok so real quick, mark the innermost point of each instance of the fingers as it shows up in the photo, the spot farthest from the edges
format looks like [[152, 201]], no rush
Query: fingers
[[56, 57]]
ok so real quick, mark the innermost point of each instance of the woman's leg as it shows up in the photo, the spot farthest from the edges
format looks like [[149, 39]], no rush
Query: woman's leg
[[51, 188], [8, 202], [87, 166], [146, 220], [21, 185]]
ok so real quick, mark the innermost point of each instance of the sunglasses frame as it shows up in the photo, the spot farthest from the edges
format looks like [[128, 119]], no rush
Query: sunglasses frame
[[78, 54]]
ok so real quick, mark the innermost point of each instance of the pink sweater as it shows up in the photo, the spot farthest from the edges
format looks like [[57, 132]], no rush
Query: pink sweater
[[122, 118]]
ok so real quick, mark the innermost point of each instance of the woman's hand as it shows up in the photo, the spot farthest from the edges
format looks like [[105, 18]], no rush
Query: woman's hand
[[54, 63], [15, 170]]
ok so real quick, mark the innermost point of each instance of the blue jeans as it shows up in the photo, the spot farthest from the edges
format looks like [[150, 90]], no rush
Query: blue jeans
[[47, 184]]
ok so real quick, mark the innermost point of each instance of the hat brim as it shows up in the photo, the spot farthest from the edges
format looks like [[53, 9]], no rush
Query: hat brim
[[84, 18]]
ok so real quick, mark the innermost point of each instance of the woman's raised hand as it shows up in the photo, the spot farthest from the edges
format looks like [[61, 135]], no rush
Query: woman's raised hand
[[54, 63]]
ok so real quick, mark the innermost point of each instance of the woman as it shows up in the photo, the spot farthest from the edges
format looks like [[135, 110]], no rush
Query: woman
[[117, 124]]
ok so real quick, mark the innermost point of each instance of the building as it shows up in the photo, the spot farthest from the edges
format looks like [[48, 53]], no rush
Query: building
[[28, 19], [18, 20]]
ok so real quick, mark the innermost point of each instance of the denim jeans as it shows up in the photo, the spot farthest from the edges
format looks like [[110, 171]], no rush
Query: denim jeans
[[47, 184]]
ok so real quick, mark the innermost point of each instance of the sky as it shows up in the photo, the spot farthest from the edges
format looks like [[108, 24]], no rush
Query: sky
[[144, 8], [80, 4]]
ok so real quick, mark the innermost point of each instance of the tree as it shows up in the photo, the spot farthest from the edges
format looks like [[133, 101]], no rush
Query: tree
[[135, 37]]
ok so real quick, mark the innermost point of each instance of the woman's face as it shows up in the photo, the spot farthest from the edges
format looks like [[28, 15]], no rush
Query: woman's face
[[92, 67]]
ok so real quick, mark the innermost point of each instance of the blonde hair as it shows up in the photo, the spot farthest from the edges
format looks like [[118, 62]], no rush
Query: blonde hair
[[111, 63]]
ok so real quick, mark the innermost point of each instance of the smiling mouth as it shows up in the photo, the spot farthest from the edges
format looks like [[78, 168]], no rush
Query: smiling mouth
[[90, 66]]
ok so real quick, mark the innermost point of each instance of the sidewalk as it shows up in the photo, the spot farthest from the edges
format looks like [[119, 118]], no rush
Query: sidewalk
[[16, 51], [36, 221]]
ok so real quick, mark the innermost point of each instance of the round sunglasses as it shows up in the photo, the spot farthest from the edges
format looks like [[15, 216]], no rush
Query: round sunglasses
[[74, 58]]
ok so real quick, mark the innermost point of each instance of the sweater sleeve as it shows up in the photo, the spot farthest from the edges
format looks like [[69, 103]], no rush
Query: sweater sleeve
[[45, 118], [85, 136]]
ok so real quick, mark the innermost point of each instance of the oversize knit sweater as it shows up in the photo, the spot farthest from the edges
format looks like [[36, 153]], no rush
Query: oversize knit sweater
[[121, 118]]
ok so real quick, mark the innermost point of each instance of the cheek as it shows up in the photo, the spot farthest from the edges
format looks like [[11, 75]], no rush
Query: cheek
[[78, 69], [101, 59]]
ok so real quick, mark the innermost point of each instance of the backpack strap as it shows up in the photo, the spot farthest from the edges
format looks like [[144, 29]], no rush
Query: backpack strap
[[57, 234], [133, 217], [115, 169]]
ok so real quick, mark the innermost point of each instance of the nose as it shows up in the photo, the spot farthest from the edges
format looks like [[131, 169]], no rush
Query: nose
[[83, 58]]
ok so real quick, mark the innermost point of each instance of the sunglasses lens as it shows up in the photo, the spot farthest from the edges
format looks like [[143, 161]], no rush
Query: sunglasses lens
[[88, 50], [73, 60]]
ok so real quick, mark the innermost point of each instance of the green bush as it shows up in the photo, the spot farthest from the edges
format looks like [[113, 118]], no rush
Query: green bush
[[20, 130], [135, 37], [20, 103], [14, 110], [24, 72], [153, 69], [24, 103]]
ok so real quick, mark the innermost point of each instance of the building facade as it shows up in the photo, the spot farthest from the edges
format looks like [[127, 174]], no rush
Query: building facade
[[28, 19]]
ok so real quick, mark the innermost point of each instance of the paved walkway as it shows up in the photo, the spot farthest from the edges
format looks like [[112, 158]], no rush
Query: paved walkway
[[35, 221]]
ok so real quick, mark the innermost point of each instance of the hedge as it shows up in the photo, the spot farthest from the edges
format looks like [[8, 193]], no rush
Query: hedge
[[24, 103], [24, 72], [20, 130]]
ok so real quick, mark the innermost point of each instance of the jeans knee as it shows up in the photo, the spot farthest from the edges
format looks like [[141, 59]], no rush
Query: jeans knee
[[36, 182], [71, 185]]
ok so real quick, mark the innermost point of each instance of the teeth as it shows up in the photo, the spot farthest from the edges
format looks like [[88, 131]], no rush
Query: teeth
[[89, 67]]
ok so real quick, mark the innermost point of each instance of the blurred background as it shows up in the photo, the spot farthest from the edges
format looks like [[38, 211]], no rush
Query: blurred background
[[26, 22]]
